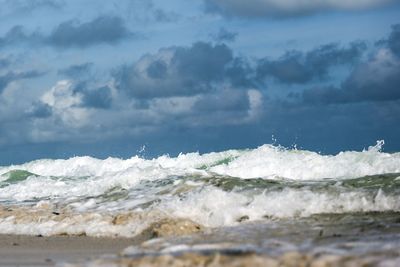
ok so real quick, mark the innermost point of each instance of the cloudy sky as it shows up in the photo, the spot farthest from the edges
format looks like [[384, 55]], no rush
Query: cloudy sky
[[104, 78]]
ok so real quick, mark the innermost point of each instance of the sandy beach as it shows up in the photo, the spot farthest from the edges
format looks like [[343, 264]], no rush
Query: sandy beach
[[19, 250], [80, 251], [345, 240]]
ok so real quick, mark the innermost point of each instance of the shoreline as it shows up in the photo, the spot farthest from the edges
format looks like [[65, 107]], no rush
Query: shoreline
[[369, 239], [80, 251], [25, 250]]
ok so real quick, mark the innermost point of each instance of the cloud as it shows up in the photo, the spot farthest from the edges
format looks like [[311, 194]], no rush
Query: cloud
[[393, 41], [286, 8], [241, 74], [4, 62], [101, 30], [224, 35], [72, 34], [296, 67], [9, 77], [23, 6], [78, 95], [17, 36], [77, 71], [97, 97], [225, 100], [202, 62], [181, 71], [199, 85], [226, 107], [376, 80], [163, 16], [204, 96], [66, 104], [146, 12], [92, 96], [40, 110]]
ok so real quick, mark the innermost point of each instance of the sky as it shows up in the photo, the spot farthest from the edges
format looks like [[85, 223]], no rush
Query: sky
[[150, 77]]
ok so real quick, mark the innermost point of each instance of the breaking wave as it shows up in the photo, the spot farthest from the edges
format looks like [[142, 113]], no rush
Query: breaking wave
[[116, 197]]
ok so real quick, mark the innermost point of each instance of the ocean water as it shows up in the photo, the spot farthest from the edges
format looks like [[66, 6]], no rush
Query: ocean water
[[252, 191]]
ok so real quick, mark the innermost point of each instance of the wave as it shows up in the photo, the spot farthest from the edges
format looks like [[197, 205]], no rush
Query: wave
[[264, 161], [85, 195], [207, 206]]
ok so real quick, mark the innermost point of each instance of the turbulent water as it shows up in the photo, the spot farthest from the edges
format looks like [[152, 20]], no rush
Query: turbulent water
[[116, 197]]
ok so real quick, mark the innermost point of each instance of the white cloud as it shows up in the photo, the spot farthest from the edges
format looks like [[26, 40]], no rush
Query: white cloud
[[380, 68], [65, 104], [256, 104]]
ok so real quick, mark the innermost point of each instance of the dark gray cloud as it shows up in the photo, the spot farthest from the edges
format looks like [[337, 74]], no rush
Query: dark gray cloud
[[394, 40], [9, 77], [300, 68], [17, 36], [101, 30], [376, 80], [69, 34], [369, 89], [181, 71], [202, 61], [240, 73], [94, 97], [285, 8], [100, 98], [224, 35], [40, 110], [25, 6], [77, 71], [157, 70], [185, 71]]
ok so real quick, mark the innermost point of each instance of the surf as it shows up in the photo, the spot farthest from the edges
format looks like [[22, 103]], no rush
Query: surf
[[85, 195]]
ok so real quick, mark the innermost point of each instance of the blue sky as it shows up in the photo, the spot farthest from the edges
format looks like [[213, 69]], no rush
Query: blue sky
[[104, 78]]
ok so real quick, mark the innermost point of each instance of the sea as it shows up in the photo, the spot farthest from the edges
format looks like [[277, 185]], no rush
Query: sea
[[270, 200]]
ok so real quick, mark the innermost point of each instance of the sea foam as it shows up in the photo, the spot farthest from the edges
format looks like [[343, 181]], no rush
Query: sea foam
[[214, 189], [264, 161]]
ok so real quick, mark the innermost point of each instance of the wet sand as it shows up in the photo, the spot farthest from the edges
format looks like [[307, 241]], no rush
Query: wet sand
[[83, 251], [17, 250], [366, 239], [289, 259]]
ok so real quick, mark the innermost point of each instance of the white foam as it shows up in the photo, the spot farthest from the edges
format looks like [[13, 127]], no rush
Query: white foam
[[265, 161], [269, 161], [210, 207], [77, 183], [214, 207], [91, 225]]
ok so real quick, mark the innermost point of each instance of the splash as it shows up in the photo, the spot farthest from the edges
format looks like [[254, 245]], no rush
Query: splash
[[215, 189]]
